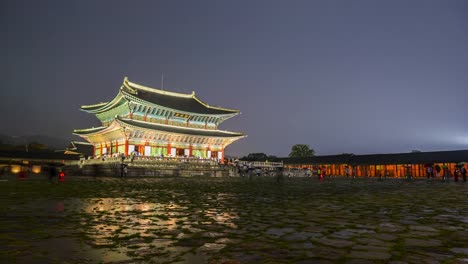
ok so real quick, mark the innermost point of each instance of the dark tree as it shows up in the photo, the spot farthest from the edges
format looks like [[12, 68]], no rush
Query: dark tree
[[255, 157], [301, 150]]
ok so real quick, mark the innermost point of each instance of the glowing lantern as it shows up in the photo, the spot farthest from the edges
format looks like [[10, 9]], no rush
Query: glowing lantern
[[36, 169], [15, 168]]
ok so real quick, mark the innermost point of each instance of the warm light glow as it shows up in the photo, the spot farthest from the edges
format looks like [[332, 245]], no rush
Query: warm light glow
[[15, 168], [36, 169]]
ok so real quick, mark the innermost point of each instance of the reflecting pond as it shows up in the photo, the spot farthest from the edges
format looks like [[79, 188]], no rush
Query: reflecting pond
[[231, 220]]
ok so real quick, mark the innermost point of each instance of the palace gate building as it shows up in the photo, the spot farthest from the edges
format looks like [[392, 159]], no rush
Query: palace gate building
[[153, 122]]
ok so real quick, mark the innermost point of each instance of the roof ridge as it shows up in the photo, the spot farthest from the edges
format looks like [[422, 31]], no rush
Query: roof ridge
[[128, 84]]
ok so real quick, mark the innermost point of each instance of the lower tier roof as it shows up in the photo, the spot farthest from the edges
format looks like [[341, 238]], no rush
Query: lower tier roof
[[136, 124], [176, 129]]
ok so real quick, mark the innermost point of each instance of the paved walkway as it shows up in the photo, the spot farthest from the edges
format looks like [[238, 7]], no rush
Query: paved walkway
[[232, 220]]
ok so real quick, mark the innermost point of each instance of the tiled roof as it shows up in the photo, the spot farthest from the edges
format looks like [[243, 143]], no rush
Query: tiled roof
[[182, 102]]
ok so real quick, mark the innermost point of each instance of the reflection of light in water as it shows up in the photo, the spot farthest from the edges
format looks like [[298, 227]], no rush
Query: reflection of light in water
[[221, 217], [118, 205], [144, 207], [170, 223], [126, 215], [226, 218]]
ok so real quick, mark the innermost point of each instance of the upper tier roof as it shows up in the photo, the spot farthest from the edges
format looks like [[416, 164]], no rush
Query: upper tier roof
[[178, 101]]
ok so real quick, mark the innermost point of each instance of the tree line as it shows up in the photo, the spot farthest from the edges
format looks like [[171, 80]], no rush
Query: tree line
[[297, 151], [28, 147]]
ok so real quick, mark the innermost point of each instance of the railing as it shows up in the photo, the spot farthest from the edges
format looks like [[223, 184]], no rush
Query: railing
[[139, 159], [261, 164]]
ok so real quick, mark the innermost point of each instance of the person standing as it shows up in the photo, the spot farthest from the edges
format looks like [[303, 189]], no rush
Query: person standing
[[437, 169], [279, 174], [122, 170], [455, 174], [429, 172], [52, 173], [446, 174], [463, 172], [125, 169]]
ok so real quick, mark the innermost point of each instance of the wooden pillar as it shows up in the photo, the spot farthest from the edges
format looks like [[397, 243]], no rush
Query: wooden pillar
[[94, 150], [126, 147], [222, 155], [190, 150], [168, 148], [101, 150], [116, 146]]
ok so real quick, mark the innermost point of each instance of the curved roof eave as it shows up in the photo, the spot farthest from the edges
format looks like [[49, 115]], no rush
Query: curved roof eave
[[94, 107], [101, 107], [178, 130], [88, 131]]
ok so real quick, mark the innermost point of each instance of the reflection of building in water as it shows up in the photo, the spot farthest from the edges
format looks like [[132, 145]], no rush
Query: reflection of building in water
[[120, 212], [152, 122], [222, 217]]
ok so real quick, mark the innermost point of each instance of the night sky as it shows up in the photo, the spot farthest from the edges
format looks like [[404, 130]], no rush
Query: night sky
[[342, 76]]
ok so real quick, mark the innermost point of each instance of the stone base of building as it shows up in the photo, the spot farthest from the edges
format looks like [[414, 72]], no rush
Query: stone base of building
[[143, 167], [114, 170]]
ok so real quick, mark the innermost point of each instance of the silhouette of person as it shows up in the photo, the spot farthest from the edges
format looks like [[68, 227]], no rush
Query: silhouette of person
[[463, 172], [52, 173]]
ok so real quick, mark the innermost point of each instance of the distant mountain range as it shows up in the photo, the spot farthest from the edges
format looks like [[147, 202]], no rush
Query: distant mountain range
[[50, 142]]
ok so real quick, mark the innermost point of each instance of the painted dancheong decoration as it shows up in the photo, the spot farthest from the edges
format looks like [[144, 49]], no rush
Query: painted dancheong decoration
[[152, 122]]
